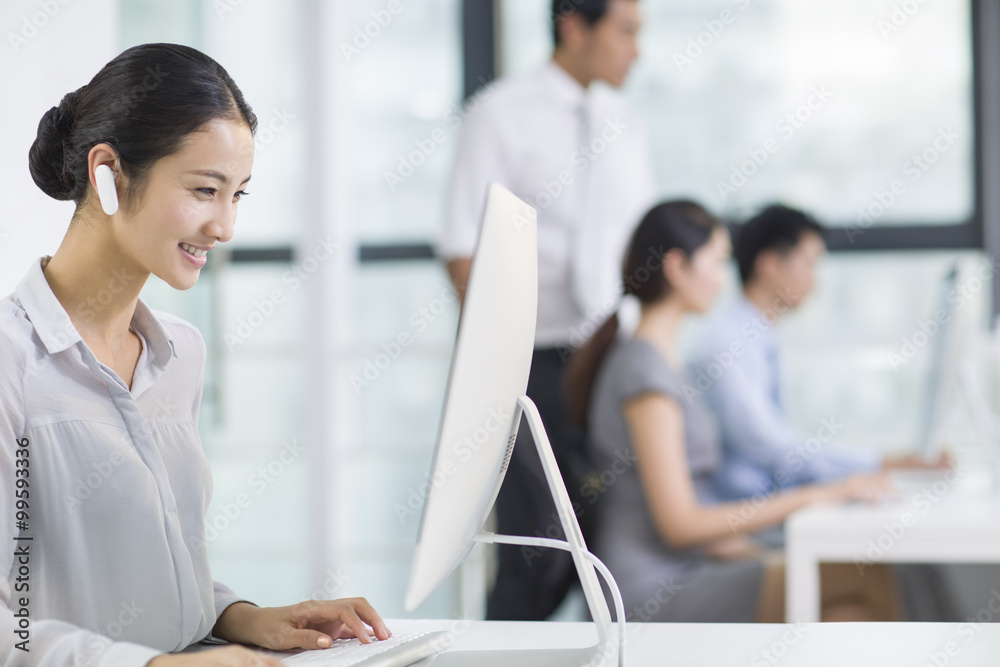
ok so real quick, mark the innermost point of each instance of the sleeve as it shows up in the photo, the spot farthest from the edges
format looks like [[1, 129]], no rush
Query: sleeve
[[643, 371], [224, 597], [758, 431], [482, 157], [24, 640]]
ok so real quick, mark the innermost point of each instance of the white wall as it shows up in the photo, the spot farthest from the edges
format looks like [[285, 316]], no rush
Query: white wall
[[49, 48]]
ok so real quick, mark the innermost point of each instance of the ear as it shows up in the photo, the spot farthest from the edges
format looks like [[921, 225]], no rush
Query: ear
[[675, 264], [98, 155], [573, 30], [766, 264]]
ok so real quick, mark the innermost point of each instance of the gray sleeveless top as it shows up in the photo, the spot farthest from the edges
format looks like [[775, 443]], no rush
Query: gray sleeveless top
[[626, 538]]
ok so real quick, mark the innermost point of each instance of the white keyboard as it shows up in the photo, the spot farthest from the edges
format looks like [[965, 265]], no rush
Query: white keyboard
[[397, 651]]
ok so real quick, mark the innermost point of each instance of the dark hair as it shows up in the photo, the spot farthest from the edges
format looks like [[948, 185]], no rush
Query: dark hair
[[143, 104], [673, 225], [777, 228], [592, 12]]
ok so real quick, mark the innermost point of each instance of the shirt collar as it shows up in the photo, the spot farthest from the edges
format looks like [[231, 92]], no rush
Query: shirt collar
[[747, 311], [56, 330], [563, 86]]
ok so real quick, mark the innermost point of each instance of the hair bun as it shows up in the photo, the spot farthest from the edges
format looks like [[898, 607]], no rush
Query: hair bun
[[47, 157]]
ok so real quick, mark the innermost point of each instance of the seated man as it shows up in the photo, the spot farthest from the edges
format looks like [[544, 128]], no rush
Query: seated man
[[776, 251]]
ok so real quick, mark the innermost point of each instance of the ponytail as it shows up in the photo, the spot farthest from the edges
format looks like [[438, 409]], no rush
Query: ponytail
[[679, 224], [581, 371]]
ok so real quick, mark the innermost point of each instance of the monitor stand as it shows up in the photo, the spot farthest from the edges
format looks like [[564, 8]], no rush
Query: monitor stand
[[592, 656]]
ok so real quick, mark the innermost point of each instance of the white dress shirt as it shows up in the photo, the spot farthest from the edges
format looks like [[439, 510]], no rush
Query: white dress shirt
[[525, 133], [117, 568]]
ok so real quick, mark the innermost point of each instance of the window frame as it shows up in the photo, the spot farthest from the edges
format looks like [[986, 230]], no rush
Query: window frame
[[981, 231]]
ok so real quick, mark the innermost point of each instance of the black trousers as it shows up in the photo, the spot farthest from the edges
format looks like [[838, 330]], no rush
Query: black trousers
[[532, 582]]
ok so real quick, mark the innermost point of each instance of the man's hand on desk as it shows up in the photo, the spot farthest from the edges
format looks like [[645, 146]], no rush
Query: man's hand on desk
[[915, 462]]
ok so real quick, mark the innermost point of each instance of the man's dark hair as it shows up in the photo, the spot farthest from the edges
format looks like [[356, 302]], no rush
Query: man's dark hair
[[592, 11], [777, 228]]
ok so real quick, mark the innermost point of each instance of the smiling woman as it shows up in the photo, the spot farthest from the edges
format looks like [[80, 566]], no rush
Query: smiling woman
[[97, 386]]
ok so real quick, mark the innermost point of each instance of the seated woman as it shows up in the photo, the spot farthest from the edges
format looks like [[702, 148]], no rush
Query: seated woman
[[94, 381], [678, 553]]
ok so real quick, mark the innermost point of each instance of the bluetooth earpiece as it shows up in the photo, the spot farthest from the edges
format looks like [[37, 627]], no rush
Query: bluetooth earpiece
[[106, 190]]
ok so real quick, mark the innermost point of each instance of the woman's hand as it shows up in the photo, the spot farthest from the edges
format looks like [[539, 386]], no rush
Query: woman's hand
[[311, 625], [230, 656], [868, 488], [734, 547]]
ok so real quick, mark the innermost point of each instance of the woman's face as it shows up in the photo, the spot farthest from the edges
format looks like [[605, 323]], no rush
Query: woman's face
[[189, 203], [702, 276]]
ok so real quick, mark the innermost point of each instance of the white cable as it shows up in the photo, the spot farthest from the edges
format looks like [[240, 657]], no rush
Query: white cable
[[524, 540]]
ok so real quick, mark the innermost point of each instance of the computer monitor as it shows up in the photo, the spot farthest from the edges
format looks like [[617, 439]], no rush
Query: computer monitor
[[946, 348], [484, 401], [951, 369]]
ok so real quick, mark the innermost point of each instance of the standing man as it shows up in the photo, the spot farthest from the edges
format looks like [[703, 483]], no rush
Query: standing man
[[571, 150]]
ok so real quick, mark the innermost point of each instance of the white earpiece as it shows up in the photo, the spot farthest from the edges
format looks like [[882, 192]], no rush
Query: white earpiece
[[106, 190]]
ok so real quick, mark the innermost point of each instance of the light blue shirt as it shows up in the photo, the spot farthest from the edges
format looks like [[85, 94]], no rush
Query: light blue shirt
[[108, 559], [735, 368]]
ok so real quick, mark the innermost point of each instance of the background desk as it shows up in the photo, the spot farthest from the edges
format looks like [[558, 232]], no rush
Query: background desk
[[953, 530], [754, 645]]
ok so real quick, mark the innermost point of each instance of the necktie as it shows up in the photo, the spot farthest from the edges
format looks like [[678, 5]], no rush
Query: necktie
[[594, 280], [771, 354]]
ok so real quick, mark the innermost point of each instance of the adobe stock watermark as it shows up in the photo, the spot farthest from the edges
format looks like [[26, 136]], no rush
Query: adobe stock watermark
[[581, 333], [795, 460], [420, 320], [582, 158], [333, 582], [920, 504], [916, 166], [774, 652], [279, 121], [928, 329], [786, 127], [84, 486], [364, 34], [265, 307], [710, 370], [120, 279], [594, 486], [900, 15], [225, 7], [701, 42], [969, 630], [665, 591], [98, 643], [259, 481], [407, 164], [463, 449], [33, 23]]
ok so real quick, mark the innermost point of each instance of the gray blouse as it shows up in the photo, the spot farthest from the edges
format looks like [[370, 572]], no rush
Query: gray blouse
[[627, 539]]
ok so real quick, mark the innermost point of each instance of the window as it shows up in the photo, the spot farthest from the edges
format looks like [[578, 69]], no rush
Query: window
[[861, 112]]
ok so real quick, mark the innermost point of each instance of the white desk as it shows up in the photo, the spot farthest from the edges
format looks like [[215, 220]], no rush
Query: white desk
[[952, 530], [713, 645]]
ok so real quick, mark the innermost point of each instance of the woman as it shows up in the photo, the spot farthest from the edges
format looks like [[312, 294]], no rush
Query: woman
[[100, 391], [677, 553]]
